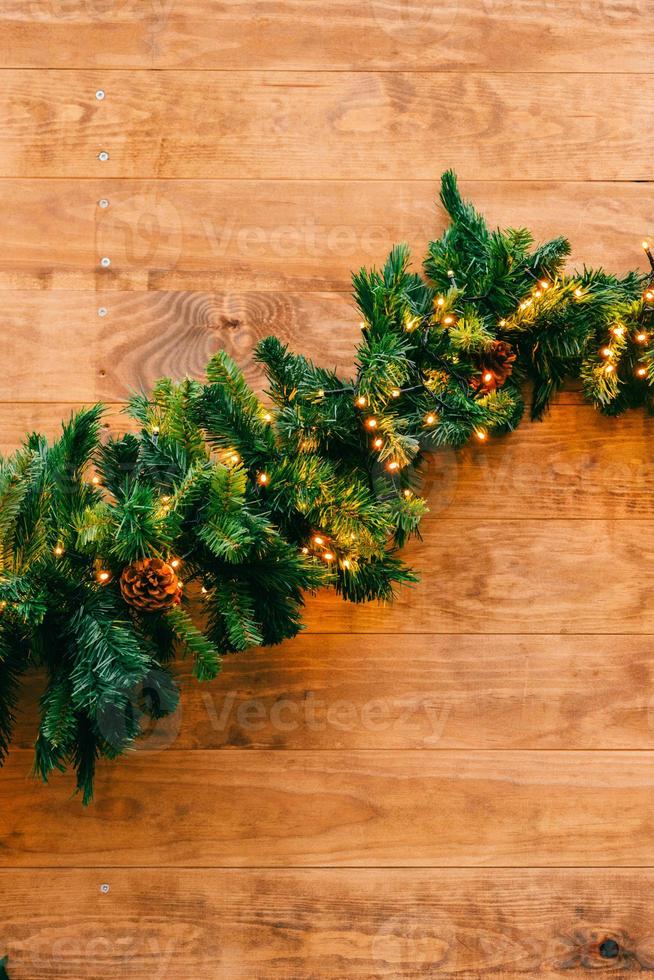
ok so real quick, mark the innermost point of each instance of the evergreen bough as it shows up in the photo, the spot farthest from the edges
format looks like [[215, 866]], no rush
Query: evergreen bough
[[257, 503]]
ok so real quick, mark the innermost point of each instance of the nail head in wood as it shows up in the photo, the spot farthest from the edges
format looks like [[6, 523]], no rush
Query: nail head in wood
[[105, 262], [103, 156]]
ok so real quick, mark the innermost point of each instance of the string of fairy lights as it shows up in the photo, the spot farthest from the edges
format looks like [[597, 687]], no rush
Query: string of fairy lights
[[639, 335], [322, 544]]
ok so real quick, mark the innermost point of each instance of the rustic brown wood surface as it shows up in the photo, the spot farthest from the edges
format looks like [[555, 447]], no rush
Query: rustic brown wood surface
[[336, 808], [329, 923], [458, 786], [448, 691], [286, 236], [307, 125], [462, 35]]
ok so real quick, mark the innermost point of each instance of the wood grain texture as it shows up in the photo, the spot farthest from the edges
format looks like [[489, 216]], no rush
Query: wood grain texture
[[336, 809], [19, 418], [279, 235], [334, 924], [457, 35], [308, 125], [446, 692], [492, 575], [499, 716], [142, 336]]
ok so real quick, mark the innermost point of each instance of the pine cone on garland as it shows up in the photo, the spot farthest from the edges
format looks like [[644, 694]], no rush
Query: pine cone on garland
[[150, 585], [495, 366]]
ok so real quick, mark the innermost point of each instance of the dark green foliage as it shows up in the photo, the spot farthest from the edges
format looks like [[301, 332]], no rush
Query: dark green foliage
[[257, 505], [235, 495]]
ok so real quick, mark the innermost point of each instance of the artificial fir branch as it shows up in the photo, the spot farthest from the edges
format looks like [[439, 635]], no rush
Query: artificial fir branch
[[246, 507]]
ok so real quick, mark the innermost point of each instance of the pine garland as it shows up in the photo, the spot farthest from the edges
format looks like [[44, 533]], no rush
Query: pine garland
[[248, 505]]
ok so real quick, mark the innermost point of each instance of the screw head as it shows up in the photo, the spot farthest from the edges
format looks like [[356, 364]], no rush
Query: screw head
[[104, 889], [105, 262], [103, 203], [103, 311], [100, 95], [103, 156]]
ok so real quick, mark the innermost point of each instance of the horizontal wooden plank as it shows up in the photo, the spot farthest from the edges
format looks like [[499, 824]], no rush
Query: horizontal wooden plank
[[126, 340], [354, 692], [356, 808], [491, 575], [300, 34], [284, 235], [308, 125], [336, 923]]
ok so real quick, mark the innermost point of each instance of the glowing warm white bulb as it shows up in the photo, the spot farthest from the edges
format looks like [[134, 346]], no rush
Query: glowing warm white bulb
[[318, 540], [305, 551], [502, 323], [606, 352], [361, 401], [346, 563], [204, 590], [378, 443], [175, 563], [641, 372], [371, 423], [395, 392], [440, 301], [407, 493], [393, 465], [262, 479], [481, 435], [609, 369], [448, 320], [328, 556], [58, 550], [646, 245], [544, 284], [641, 337], [649, 295], [103, 576], [617, 331], [95, 480], [430, 419], [579, 292], [155, 430], [267, 417], [450, 272], [235, 458], [362, 325], [488, 377], [165, 500]]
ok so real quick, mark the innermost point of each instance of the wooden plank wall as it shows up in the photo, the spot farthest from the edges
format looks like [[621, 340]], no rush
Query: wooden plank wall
[[458, 786]]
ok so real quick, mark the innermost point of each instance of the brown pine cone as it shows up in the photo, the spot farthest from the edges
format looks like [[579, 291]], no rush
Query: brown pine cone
[[150, 585], [495, 366]]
